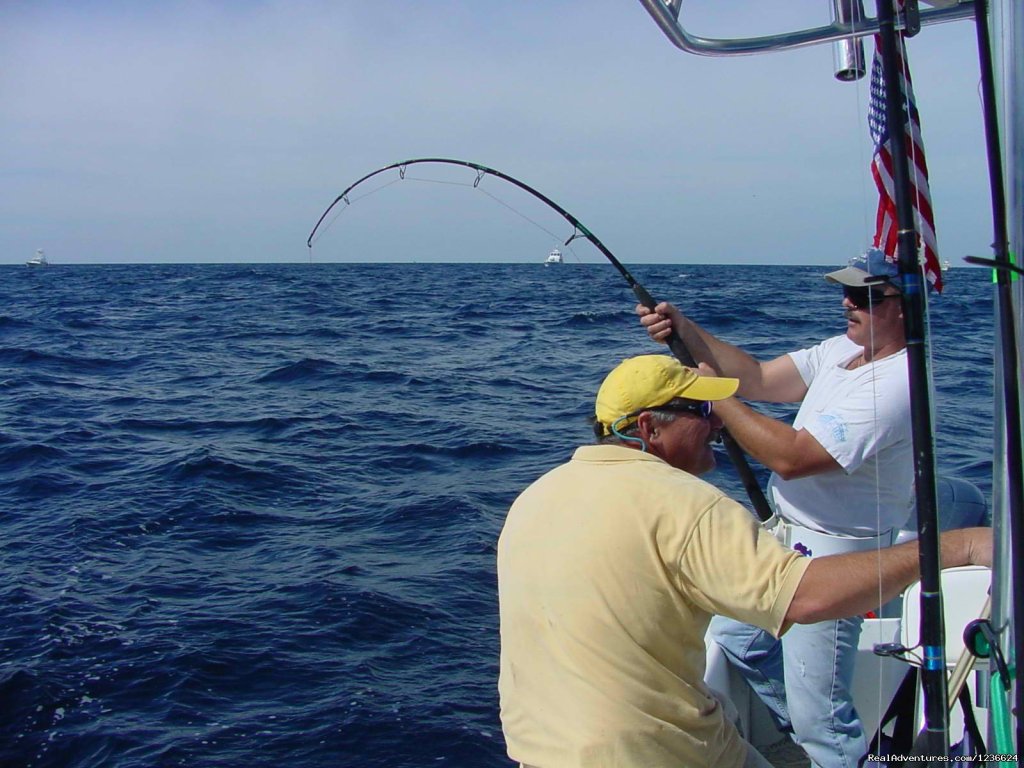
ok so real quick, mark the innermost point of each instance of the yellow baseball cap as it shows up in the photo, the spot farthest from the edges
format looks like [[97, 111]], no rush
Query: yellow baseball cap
[[648, 381]]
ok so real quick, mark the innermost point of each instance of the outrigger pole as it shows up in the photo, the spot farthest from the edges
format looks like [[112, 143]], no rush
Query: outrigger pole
[[675, 342], [933, 645], [1003, 266]]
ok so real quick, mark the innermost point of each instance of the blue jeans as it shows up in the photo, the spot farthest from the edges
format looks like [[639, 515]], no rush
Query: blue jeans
[[805, 680]]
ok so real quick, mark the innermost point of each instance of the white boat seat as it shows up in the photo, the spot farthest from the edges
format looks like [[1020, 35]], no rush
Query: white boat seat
[[964, 591]]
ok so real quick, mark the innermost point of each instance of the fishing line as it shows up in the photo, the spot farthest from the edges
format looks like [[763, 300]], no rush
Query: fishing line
[[476, 185], [468, 185], [867, 194], [437, 181], [349, 202], [865, 153], [866, 185], [526, 218]]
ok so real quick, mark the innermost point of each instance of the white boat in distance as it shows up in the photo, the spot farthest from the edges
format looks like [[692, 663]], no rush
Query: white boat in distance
[[555, 257], [39, 260]]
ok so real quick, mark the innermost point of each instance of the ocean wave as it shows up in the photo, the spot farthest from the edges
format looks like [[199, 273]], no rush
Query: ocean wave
[[9, 323], [39, 486], [32, 359], [305, 370], [79, 323], [474, 450], [267, 426], [19, 455], [203, 464]]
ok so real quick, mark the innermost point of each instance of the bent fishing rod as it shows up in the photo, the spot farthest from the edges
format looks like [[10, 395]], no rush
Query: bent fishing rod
[[675, 342]]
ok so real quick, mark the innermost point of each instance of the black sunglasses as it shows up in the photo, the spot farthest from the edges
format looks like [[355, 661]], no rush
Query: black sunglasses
[[865, 297], [702, 408]]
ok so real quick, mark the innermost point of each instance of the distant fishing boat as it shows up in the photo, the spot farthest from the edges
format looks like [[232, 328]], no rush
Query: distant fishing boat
[[555, 257], [39, 260]]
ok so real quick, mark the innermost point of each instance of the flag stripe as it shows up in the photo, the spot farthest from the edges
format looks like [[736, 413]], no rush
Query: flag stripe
[[886, 221]]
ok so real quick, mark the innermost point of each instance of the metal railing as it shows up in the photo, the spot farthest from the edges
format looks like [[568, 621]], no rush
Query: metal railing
[[666, 15]]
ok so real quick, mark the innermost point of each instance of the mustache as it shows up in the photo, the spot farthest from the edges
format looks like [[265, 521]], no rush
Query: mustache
[[848, 314]]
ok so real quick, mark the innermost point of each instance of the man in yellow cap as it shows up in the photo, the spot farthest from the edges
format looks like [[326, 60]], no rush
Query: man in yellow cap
[[611, 566]]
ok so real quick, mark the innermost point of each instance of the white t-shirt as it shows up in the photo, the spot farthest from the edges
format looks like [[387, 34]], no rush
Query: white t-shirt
[[862, 418]]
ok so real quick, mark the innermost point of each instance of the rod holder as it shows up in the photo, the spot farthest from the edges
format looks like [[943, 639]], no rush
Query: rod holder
[[848, 54]]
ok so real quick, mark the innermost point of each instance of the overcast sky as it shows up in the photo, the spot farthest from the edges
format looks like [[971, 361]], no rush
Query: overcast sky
[[219, 131]]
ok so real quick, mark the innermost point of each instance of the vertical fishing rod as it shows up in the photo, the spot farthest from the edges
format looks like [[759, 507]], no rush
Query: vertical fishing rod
[[933, 671], [1008, 349]]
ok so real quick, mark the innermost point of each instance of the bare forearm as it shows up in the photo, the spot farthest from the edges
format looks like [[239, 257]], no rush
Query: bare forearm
[[848, 585], [776, 380], [762, 437], [786, 451], [725, 358]]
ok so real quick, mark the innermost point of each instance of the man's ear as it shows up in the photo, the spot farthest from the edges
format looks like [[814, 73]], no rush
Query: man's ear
[[646, 426]]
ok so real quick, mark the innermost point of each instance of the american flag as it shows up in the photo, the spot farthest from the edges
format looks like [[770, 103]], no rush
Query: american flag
[[886, 225]]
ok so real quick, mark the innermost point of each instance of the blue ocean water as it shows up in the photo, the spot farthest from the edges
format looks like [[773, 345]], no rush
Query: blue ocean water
[[248, 513]]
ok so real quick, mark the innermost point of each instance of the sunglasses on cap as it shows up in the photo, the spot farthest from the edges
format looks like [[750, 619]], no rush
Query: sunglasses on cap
[[865, 297]]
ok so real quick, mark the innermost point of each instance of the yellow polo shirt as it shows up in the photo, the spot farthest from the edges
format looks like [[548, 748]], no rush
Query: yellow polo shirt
[[609, 570]]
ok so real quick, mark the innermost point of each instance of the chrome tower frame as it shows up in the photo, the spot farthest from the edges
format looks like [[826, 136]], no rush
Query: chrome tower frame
[[666, 15]]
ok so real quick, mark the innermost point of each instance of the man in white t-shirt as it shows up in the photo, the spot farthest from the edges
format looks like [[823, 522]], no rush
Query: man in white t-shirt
[[842, 481]]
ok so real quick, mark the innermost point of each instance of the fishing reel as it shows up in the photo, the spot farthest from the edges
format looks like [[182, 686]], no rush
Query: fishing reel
[[982, 642]]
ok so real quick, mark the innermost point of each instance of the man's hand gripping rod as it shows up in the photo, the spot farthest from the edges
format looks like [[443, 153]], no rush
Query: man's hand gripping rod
[[739, 459]]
